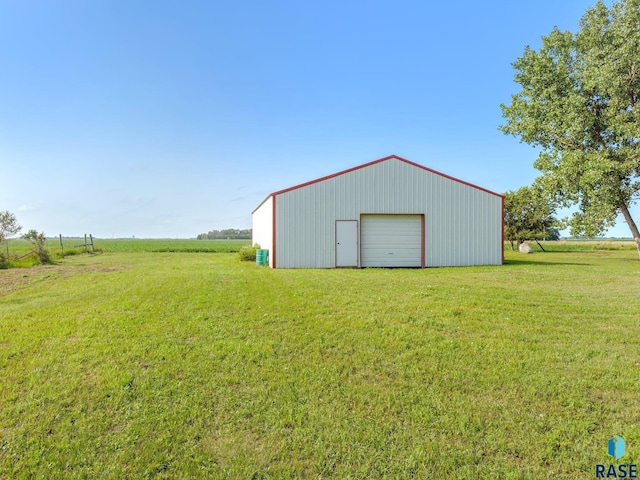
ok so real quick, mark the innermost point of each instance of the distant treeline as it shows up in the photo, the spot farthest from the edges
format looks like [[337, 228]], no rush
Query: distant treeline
[[227, 234]]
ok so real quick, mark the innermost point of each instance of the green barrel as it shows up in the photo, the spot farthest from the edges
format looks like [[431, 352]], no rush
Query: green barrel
[[262, 257]]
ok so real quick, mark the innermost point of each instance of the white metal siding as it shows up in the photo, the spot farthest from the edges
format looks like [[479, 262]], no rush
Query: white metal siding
[[391, 240], [262, 220], [463, 224]]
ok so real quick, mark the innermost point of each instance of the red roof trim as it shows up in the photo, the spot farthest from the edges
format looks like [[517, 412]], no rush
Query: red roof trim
[[380, 161]]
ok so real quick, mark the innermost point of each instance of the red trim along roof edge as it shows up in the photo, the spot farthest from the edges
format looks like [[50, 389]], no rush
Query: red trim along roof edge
[[295, 187]]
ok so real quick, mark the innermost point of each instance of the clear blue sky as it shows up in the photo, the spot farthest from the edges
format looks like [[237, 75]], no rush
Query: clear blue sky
[[168, 119]]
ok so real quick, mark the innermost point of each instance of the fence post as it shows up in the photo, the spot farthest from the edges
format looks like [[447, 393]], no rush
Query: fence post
[[61, 246], [93, 249]]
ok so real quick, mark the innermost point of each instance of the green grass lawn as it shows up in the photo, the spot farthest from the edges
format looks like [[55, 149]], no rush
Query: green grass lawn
[[164, 365]]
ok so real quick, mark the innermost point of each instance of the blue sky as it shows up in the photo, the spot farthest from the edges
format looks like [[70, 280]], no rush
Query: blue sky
[[169, 119]]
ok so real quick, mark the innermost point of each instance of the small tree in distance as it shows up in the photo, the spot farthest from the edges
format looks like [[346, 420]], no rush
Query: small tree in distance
[[528, 215], [9, 227]]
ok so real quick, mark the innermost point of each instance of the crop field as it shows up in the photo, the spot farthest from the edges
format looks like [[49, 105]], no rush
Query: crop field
[[172, 246], [75, 246], [195, 365]]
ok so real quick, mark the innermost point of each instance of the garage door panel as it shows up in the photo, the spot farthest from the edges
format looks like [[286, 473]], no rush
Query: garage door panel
[[399, 241], [391, 240]]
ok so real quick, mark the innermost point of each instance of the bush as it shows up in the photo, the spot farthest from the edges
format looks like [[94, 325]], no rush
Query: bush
[[248, 253], [73, 251], [38, 240]]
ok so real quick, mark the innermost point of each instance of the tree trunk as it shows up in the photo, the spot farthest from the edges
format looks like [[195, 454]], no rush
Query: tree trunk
[[632, 226]]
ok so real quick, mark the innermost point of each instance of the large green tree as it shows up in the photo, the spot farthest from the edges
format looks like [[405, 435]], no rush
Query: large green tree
[[578, 104]]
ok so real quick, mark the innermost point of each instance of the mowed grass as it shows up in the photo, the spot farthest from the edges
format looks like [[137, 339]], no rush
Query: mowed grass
[[162, 365], [580, 245]]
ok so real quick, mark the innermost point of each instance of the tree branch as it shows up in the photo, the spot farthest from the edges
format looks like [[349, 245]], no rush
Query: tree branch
[[599, 138]]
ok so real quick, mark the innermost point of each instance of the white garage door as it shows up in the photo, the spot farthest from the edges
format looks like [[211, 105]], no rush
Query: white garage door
[[391, 240]]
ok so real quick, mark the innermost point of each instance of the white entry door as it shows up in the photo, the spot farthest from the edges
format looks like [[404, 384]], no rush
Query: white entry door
[[346, 243]]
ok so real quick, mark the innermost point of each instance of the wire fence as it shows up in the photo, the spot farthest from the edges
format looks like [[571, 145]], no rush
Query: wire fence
[[18, 248]]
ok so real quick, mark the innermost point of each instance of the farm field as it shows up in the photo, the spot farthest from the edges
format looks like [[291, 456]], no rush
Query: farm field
[[171, 245], [196, 365], [74, 246]]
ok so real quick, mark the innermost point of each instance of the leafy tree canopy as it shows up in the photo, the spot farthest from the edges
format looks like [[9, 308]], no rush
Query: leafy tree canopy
[[528, 215], [578, 104], [226, 234]]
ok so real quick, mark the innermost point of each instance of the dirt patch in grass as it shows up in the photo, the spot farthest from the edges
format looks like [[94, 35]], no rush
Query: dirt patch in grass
[[10, 279], [13, 278]]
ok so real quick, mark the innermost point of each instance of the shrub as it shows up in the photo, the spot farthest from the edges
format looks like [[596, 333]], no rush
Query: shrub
[[38, 240], [25, 262], [248, 253], [72, 251]]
